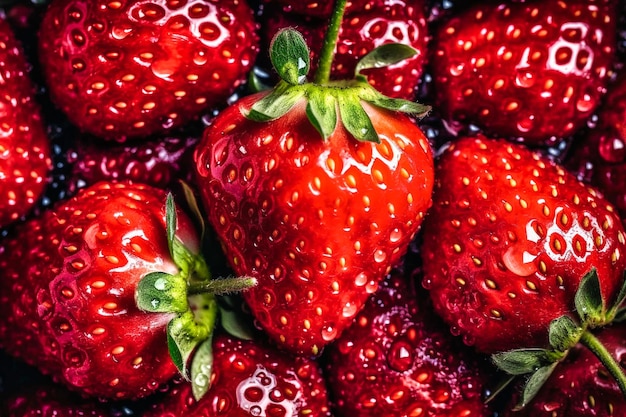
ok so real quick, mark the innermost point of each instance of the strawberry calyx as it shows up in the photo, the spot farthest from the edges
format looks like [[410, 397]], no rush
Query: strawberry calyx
[[537, 364], [190, 296], [329, 101]]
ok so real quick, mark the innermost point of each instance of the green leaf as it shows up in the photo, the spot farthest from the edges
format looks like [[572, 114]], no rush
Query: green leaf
[[170, 221], [384, 56], [184, 336], [534, 384], [588, 300], [564, 333], [521, 361], [322, 112], [201, 369], [236, 324], [159, 292], [275, 104], [192, 202], [356, 120], [290, 56], [404, 106]]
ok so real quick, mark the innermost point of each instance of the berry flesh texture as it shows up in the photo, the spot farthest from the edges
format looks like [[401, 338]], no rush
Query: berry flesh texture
[[362, 30], [533, 71], [25, 160], [580, 386], [318, 223], [398, 359], [599, 158], [67, 290], [251, 379], [508, 240], [132, 69]]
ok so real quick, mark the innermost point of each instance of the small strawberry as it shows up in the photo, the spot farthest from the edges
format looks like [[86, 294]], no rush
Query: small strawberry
[[580, 385], [135, 68], [599, 158], [317, 209], [529, 70], [365, 27], [250, 379], [24, 149], [515, 246], [397, 359], [95, 292], [160, 163]]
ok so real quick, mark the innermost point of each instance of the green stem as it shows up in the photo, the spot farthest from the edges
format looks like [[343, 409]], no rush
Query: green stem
[[322, 75], [222, 286], [596, 346]]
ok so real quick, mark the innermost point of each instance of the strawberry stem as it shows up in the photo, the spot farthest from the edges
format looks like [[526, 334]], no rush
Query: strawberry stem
[[596, 346], [322, 75], [221, 286]]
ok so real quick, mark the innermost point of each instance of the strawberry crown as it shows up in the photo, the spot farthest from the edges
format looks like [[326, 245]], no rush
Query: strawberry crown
[[330, 101]]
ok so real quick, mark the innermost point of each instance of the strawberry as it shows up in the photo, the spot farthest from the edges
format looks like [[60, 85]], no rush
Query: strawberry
[[25, 161], [515, 246], [277, 173], [160, 163], [251, 379], [580, 386], [397, 359], [94, 289], [135, 68], [366, 27], [599, 158], [530, 70]]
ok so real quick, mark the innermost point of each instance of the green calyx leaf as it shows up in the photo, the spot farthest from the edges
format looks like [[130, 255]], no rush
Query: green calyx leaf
[[384, 56], [356, 120], [201, 369], [275, 104], [534, 383], [404, 106], [588, 301], [290, 56], [521, 361], [564, 333], [321, 111], [159, 292]]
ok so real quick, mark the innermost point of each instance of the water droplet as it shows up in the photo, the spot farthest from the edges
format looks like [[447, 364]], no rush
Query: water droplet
[[360, 279], [349, 310], [329, 332], [160, 284], [256, 410], [519, 261], [395, 235], [524, 79], [400, 356], [380, 256]]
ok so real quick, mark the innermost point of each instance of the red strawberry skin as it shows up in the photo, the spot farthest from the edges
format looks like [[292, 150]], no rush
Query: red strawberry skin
[[364, 28], [398, 359], [318, 223], [67, 293], [533, 70], [24, 149], [251, 379], [135, 68], [580, 385], [508, 240], [599, 157]]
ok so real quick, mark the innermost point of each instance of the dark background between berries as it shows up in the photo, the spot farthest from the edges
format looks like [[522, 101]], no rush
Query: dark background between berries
[[25, 15]]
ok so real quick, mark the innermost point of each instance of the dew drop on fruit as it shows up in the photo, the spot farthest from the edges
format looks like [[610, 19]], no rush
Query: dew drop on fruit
[[349, 310], [329, 332], [524, 78], [255, 410], [395, 235], [360, 279], [380, 256], [400, 356], [519, 261]]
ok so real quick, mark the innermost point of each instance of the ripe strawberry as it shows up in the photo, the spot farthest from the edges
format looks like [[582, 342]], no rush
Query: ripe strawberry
[[532, 70], [76, 282], [250, 379], [599, 159], [514, 246], [397, 359], [159, 163], [25, 153], [131, 69], [580, 386], [274, 190], [365, 27]]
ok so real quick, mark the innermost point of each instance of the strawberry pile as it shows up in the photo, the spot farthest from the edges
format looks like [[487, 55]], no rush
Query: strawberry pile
[[300, 208]]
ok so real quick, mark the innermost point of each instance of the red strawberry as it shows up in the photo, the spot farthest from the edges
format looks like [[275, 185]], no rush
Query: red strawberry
[[580, 386], [318, 217], [160, 163], [135, 68], [533, 70], [24, 150], [397, 359], [600, 158], [75, 279], [514, 247], [364, 28], [250, 379]]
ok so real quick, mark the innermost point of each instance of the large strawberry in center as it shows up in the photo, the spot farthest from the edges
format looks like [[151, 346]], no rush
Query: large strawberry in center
[[318, 201]]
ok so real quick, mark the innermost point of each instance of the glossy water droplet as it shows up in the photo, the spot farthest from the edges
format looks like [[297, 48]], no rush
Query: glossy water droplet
[[400, 356], [255, 410], [380, 256], [524, 78], [395, 235], [329, 332], [519, 261], [360, 279], [349, 310]]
